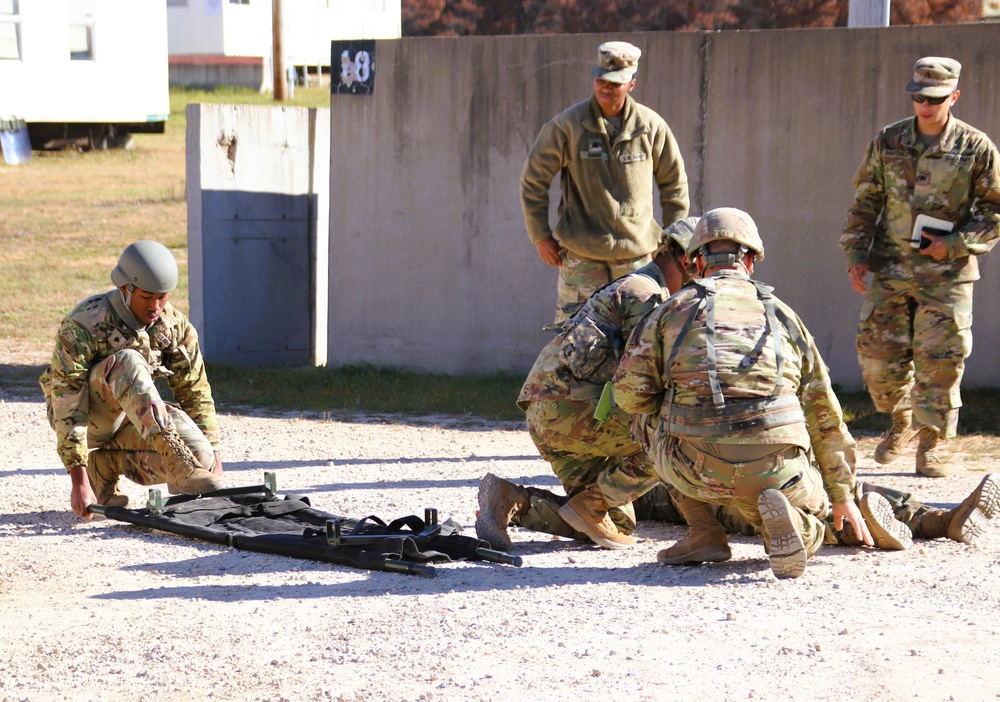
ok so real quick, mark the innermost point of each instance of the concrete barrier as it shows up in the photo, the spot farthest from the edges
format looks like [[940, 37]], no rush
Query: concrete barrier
[[257, 232]]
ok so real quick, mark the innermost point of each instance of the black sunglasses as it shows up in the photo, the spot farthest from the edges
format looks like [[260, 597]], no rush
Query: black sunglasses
[[934, 101]]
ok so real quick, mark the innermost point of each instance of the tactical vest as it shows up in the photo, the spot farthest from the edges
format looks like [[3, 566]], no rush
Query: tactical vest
[[724, 418], [591, 348]]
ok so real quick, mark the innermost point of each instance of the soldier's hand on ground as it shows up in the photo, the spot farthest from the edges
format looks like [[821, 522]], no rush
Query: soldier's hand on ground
[[937, 249], [858, 272], [549, 251], [849, 512], [81, 496], [217, 468]]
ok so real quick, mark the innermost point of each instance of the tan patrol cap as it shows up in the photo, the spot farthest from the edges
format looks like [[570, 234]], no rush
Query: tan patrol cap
[[617, 61], [935, 76]]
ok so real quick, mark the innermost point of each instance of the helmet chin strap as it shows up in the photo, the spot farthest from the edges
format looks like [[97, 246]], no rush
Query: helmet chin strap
[[128, 298]]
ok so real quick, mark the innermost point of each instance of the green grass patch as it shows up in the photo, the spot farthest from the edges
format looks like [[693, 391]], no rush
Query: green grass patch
[[367, 389]]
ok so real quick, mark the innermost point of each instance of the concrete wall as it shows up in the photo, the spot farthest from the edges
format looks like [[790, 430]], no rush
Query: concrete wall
[[430, 264], [257, 232]]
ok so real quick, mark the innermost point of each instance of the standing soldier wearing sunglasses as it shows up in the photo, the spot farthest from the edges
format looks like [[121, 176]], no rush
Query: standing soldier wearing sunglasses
[[915, 330]]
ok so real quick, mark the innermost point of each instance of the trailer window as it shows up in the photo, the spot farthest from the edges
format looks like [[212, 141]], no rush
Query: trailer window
[[10, 31], [81, 30]]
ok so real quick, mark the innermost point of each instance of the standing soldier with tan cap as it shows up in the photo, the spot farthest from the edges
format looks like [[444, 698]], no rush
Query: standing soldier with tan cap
[[100, 391], [915, 330], [606, 150]]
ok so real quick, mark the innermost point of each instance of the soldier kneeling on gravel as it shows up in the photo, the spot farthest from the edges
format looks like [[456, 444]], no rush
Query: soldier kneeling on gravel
[[600, 466], [100, 396]]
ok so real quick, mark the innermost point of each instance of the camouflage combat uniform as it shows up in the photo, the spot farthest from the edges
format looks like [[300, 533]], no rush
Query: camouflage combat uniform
[[606, 218], [559, 406], [100, 394], [723, 437], [915, 330]]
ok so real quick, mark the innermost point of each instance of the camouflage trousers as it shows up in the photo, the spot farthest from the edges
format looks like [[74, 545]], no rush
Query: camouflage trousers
[[580, 277], [125, 408], [734, 476], [658, 505], [912, 344], [584, 451]]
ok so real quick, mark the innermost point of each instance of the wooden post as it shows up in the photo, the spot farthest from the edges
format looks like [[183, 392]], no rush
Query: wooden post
[[280, 77]]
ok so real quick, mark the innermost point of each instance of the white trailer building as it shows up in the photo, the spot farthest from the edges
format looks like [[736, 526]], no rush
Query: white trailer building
[[84, 68], [230, 42]]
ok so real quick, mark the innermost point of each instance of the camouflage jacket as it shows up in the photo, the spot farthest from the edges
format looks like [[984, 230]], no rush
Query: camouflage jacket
[[617, 308], [606, 207], [665, 365], [94, 330], [956, 179]]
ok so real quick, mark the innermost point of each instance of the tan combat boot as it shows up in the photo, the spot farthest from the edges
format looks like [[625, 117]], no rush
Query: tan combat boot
[[103, 472], [969, 521], [986, 496], [705, 540], [499, 501], [785, 548], [930, 463], [896, 438], [888, 532], [185, 473], [587, 512]]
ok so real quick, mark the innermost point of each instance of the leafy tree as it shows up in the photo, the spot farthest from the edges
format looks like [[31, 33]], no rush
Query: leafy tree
[[465, 17]]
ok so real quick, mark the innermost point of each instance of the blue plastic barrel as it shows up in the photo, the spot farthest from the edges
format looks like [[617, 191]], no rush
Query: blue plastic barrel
[[14, 141]]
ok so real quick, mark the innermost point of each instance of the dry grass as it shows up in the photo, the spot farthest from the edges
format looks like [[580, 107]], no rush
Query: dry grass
[[67, 215]]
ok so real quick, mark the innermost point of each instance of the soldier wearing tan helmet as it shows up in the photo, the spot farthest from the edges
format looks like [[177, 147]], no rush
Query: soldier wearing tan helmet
[[927, 207], [601, 468], [100, 391], [607, 151], [740, 400]]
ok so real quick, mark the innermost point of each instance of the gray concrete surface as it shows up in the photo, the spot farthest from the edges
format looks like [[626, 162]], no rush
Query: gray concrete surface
[[257, 232]]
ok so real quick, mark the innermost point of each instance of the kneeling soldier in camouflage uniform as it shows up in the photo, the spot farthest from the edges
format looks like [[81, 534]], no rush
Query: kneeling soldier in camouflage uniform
[[740, 398], [600, 466], [100, 395]]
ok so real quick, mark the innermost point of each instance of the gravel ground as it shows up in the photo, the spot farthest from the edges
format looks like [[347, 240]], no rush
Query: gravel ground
[[102, 610]]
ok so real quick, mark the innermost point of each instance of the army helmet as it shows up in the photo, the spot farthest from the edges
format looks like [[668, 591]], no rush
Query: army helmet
[[726, 223], [147, 265], [679, 234]]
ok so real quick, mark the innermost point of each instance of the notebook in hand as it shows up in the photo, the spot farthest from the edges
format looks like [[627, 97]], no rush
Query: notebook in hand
[[933, 225]]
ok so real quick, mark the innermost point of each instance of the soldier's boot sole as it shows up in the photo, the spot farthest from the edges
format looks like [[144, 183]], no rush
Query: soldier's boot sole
[[968, 528], [487, 527], [786, 549], [987, 496], [602, 532], [888, 532]]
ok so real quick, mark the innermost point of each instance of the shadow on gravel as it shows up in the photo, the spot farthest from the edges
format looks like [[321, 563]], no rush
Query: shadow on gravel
[[20, 383], [468, 577]]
